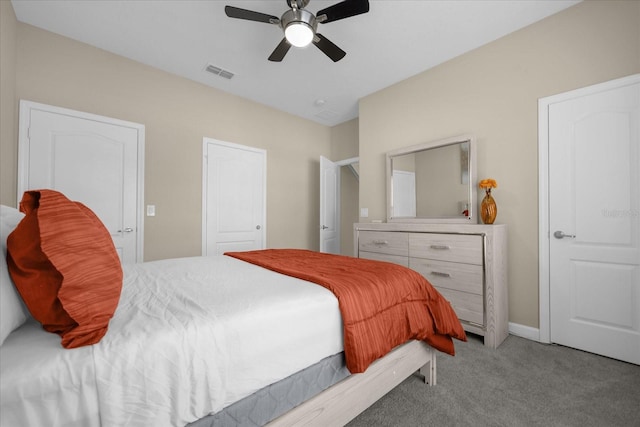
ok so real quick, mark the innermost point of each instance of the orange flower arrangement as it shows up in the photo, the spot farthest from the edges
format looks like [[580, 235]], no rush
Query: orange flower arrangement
[[488, 208], [488, 184]]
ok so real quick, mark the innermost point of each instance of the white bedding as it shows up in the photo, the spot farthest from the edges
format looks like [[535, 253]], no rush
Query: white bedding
[[41, 383], [190, 337]]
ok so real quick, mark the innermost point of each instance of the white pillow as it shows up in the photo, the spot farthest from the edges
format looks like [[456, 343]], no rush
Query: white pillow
[[13, 312]]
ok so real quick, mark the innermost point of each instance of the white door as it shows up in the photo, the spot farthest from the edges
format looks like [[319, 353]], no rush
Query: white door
[[329, 206], [91, 159], [404, 194], [234, 198], [594, 220]]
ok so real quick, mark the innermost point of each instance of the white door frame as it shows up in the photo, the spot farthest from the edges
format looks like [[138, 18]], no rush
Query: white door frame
[[543, 192], [349, 163], [205, 173], [23, 156]]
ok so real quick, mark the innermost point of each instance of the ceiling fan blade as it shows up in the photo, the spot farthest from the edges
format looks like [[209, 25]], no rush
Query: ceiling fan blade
[[342, 10], [329, 49], [280, 51], [250, 15]]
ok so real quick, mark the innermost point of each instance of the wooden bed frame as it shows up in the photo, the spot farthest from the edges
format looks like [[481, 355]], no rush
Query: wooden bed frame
[[342, 402]]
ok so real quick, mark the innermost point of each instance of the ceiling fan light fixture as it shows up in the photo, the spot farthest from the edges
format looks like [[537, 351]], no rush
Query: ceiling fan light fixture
[[299, 34], [299, 27]]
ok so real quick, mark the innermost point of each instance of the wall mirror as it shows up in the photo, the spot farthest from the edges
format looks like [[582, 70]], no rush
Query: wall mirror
[[433, 182]]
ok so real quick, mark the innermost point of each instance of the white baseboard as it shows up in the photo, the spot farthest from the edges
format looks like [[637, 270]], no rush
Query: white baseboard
[[524, 331]]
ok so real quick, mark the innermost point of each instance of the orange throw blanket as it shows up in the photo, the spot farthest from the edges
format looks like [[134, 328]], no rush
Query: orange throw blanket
[[383, 305]]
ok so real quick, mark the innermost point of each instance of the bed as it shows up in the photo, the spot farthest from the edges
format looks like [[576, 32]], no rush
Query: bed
[[201, 341]]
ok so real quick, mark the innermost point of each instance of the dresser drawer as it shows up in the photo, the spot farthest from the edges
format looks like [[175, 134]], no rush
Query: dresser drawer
[[465, 248], [384, 242], [396, 259], [468, 307], [450, 275]]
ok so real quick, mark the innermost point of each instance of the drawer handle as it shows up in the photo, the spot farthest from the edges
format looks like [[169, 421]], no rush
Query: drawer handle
[[380, 242], [440, 247], [441, 274]]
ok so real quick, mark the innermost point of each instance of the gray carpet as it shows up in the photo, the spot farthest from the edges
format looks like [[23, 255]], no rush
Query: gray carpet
[[522, 383]]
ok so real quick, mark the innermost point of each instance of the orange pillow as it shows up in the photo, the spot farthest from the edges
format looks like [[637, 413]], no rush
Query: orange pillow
[[65, 266]]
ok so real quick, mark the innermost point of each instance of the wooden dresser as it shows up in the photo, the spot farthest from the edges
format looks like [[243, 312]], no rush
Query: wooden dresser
[[467, 263]]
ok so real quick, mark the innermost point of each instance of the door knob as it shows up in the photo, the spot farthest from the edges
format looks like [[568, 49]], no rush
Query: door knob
[[257, 227], [324, 227], [126, 230], [560, 235]]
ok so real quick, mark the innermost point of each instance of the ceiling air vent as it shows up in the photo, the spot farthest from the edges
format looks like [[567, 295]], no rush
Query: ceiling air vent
[[219, 71], [326, 114]]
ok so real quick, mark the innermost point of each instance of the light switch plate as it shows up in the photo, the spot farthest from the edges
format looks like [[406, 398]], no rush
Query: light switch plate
[[151, 210], [364, 212]]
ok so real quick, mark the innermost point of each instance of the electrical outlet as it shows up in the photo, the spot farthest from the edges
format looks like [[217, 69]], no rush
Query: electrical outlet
[[364, 212]]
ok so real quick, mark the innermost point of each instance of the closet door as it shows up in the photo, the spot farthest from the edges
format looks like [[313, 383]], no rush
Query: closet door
[[329, 206], [91, 159], [234, 198]]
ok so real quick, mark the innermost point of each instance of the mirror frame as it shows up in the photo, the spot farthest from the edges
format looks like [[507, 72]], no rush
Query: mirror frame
[[472, 218]]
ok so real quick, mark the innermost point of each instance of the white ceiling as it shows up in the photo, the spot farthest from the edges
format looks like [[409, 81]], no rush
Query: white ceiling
[[395, 40]]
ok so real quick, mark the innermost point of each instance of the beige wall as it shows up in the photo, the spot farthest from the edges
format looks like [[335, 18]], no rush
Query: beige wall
[[177, 114], [344, 145], [492, 92], [8, 115]]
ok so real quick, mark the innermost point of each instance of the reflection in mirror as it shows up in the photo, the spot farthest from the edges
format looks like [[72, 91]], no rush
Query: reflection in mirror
[[432, 182]]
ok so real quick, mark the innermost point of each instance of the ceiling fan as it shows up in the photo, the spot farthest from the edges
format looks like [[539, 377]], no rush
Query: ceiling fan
[[299, 25]]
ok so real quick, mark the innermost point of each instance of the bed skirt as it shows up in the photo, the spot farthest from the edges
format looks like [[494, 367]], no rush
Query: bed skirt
[[276, 399]]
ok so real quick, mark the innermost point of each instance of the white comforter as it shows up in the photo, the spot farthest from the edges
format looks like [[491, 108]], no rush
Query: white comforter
[[193, 335]]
